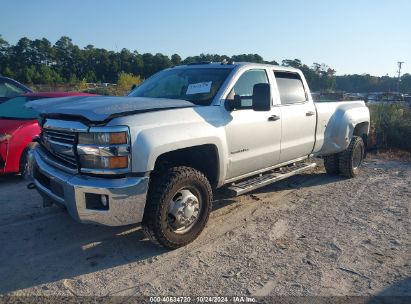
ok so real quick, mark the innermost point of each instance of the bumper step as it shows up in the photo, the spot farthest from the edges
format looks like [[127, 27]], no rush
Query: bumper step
[[268, 178]]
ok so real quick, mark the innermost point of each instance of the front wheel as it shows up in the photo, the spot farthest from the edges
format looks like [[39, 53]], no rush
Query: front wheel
[[351, 159], [179, 203]]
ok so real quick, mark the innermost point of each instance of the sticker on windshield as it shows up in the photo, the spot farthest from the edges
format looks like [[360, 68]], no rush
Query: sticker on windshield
[[199, 88]]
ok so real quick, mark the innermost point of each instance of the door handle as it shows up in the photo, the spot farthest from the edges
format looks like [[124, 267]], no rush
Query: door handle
[[310, 113], [273, 118]]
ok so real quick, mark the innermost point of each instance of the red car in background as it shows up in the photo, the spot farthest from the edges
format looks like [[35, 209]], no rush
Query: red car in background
[[18, 128]]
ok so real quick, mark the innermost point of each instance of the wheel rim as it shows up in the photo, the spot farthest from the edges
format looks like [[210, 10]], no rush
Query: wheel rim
[[357, 157], [184, 210]]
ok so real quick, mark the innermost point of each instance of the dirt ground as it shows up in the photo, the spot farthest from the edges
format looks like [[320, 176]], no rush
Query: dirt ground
[[312, 234]]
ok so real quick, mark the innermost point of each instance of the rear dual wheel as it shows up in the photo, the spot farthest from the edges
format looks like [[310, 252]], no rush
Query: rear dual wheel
[[331, 164], [348, 162], [351, 159]]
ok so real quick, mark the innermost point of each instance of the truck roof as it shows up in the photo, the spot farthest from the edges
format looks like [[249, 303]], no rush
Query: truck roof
[[221, 65]]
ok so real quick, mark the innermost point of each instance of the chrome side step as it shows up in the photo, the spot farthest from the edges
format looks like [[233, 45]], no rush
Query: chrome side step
[[268, 178]]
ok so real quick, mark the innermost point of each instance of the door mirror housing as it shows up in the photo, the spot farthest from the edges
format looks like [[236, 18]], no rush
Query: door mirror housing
[[262, 97], [231, 104]]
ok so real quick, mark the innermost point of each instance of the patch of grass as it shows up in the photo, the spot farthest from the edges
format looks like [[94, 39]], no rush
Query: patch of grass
[[390, 126], [393, 154]]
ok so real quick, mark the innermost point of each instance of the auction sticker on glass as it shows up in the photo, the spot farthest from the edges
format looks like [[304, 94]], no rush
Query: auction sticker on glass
[[199, 88]]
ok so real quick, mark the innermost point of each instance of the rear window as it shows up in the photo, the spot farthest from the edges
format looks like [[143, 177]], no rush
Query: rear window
[[15, 109], [291, 88]]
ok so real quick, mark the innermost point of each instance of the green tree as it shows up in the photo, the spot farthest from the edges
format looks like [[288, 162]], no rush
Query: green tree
[[176, 59], [38, 61], [126, 82], [248, 58], [4, 54]]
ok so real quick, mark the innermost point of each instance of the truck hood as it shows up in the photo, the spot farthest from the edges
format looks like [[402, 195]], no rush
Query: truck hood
[[103, 108]]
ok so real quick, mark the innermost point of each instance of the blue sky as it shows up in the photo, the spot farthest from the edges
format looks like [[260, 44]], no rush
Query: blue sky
[[352, 36]]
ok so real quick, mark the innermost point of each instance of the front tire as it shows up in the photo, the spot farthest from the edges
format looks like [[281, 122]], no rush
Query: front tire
[[351, 159], [178, 206]]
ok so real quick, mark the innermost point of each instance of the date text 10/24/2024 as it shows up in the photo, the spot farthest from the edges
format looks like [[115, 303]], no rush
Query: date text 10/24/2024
[[202, 299]]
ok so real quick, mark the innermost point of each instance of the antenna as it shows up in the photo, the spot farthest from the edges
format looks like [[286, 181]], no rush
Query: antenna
[[400, 63]]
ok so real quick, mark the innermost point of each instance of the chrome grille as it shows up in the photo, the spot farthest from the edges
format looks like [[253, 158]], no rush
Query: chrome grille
[[61, 145]]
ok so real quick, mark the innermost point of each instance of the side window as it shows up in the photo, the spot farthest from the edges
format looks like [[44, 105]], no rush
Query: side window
[[245, 84], [291, 88]]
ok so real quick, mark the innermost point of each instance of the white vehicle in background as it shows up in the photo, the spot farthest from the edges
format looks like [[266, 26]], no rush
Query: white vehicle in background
[[156, 156]]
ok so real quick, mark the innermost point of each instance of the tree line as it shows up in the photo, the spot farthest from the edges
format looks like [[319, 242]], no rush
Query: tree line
[[38, 61]]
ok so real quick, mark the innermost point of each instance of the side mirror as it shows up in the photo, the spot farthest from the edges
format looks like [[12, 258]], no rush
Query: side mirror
[[262, 97], [231, 104]]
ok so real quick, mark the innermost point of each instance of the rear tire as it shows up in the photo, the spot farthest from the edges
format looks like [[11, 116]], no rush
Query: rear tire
[[351, 159], [331, 164], [179, 202]]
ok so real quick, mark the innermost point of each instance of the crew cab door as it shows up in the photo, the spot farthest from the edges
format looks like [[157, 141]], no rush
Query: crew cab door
[[298, 116], [253, 137]]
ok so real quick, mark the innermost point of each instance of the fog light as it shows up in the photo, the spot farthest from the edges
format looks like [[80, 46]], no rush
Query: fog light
[[97, 201], [104, 200]]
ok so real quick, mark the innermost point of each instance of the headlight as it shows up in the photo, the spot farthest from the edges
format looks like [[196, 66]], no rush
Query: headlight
[[103, 138], [104, 162], [104, 150], [4, 137]]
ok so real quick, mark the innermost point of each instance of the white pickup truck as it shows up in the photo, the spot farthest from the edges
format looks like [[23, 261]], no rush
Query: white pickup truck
[[155, 156]]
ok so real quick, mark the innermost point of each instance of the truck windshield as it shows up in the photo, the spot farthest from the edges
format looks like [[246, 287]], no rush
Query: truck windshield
[[198, 86], [15, 109]]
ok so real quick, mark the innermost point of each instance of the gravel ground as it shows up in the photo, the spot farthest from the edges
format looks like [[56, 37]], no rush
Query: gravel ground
[[309, 235]]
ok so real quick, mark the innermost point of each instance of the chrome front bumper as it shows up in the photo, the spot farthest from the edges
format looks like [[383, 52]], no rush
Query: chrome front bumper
[[126, 196]]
